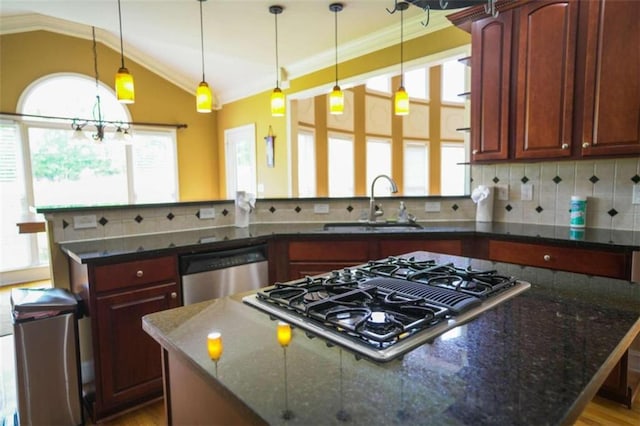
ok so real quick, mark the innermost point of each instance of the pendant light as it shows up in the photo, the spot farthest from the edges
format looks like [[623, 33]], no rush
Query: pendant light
[[203, 92], [336, 98], [277, 97], [401, 100], [124, 81]]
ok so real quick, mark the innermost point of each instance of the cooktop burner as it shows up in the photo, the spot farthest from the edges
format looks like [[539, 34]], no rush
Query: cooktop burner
[[384, 308]]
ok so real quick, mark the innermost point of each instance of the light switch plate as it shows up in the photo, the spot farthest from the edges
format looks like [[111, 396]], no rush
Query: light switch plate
[[432, 206], [636, 194], [207, 213], [321, 208], [502, 192], [85, 221], [526, 192]]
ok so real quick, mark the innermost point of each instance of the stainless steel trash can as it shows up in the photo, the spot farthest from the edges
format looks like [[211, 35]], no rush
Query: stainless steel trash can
[[45, 324]]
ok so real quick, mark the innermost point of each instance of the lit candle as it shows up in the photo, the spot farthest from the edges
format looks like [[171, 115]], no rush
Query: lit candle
[[284, 334], [214, 345]]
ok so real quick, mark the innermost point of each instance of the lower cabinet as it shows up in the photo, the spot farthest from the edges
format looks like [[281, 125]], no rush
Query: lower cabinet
[[584, 261], [127, 361]]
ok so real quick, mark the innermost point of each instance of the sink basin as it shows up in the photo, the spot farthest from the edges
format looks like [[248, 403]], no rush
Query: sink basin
[[371, 227]]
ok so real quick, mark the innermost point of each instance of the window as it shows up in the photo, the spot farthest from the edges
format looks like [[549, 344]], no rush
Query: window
[[378, 163], [240, 159], [453, 81], [453, 174], [416, 83], [416, 168], [306, 164], [379, 84], [341, 166], [44, 165]]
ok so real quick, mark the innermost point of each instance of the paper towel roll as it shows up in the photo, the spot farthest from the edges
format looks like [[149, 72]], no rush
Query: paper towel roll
[[483, 197]]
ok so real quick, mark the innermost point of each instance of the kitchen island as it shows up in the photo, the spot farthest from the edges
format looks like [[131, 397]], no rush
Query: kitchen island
[[536, 359]]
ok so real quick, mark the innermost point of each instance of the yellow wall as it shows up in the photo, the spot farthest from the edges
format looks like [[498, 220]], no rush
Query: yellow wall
[[255, 109], [25, 57]]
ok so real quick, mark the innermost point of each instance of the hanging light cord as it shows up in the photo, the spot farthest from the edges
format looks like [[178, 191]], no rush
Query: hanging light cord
[[335, 14], [277, 63], [95, 70], [202, 38], [121, 44], [401, 47]]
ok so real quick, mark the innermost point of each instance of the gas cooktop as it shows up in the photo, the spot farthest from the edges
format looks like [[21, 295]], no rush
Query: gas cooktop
[[385, 308]]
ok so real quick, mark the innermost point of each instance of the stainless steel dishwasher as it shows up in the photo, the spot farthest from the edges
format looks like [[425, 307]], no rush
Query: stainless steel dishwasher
[[215, 274]]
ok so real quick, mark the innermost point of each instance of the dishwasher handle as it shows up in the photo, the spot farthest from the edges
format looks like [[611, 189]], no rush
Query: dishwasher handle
[[221, 259]]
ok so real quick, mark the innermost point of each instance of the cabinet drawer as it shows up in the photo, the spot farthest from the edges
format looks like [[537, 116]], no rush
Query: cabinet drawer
[[397, 247], [344, 251], [138, 272], [591, 262]]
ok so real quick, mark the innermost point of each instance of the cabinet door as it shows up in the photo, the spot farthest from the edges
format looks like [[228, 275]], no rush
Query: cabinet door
[[397, 247], [490, 79], [128, 367], [546, 40], [583, 261], [612, 78]]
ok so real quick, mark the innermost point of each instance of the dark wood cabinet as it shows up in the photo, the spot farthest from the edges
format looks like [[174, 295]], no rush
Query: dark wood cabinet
[[545, 67], [554, 79], [611, 87], [127, 362], [490, 82], [313, 257], [584, 261], [398, 246]]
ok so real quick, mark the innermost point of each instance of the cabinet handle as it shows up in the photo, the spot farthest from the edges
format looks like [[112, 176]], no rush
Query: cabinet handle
[[565, 146], [585, 144], [546, 257], [174, 295], [139, 273], [474, 152]]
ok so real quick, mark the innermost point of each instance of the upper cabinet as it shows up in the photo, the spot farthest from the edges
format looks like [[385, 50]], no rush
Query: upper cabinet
[[611, 89], [490, 68], [554, 79], [544, 69]]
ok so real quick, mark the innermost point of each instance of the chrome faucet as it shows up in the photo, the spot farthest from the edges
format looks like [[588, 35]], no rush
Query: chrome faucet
[[373, 213]]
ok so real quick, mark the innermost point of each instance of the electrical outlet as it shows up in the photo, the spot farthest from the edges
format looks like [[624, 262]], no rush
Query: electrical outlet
[[526, 192], [636, 194], [321, 208], [207, 213], [432, 206], [502, 192], [84, 222]]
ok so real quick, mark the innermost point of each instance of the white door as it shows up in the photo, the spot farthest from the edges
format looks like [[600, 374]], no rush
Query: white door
[[240, 159]]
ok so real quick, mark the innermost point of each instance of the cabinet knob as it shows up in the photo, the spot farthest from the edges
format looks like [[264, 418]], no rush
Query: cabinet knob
[[174, 295], [565, 146], [546, 257], [585, 144], [474, 152], [139, 273]]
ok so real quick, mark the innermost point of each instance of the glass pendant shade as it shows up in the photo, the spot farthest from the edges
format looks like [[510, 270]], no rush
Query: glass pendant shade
[[336, 101], [277, 103], [203, 97], [401, 102], [283, 333], [124, 86]]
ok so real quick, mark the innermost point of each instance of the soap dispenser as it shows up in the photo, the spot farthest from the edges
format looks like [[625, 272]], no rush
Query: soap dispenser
[[402, 213]]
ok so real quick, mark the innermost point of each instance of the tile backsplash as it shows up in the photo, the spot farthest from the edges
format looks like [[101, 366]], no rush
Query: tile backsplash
[[608, 184]]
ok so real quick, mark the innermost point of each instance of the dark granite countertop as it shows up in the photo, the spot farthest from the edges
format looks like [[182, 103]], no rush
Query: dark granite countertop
[[537, 359], [213, 238]]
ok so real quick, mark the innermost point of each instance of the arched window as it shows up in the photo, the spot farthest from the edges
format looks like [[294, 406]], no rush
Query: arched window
[[43, 164]]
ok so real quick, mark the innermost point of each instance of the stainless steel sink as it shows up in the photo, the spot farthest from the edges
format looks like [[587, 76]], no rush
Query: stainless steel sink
[[371, 227]]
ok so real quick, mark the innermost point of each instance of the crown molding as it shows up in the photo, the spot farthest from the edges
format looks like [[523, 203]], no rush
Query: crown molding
[[386, 37]]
